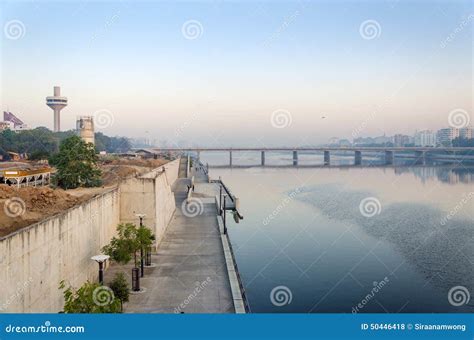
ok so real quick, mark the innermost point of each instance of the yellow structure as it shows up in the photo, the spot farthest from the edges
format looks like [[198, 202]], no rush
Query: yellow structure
[[24, 177]]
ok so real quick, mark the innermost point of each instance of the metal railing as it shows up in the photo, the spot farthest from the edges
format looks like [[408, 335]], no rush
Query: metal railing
[[239, 279]]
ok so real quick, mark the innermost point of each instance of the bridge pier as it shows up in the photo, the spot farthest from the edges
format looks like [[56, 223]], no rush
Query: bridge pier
[[327, 158], [263, 158], [388, 157], [230, 158], [198, 156], [420, 157], [358, 158], [295, 158]]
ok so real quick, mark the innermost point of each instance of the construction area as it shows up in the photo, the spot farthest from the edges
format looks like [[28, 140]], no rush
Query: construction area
[[27, 198]]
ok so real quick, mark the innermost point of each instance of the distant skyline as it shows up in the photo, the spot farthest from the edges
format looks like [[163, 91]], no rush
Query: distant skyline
[[240, 73]]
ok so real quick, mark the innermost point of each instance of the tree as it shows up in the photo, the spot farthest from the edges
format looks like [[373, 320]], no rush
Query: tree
[[128, 242], [120, 288], [42, 143], [77, 164], [90, 298], [111, 144], [122, 247]]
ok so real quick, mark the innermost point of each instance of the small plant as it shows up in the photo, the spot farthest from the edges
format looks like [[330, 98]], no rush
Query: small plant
[[121, 248], [120, 288], [90, 298]]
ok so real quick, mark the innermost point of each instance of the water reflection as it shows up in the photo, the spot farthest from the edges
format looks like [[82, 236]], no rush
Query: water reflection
[[303, 230]]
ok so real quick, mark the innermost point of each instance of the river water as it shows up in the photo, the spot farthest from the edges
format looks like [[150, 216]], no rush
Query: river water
[[352, 240]]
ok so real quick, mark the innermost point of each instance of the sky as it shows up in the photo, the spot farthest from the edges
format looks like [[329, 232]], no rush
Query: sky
[[240, 73]]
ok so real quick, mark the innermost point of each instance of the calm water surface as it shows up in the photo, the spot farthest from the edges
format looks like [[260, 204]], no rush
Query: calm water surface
[[305, 229]]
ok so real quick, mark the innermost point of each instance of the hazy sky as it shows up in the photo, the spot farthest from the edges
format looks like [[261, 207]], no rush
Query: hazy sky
[[214, 73]]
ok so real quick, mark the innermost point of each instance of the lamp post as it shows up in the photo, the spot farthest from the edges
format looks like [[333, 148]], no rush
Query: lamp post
[[101, 259], [220, 199], [224, 217], [142, 263]]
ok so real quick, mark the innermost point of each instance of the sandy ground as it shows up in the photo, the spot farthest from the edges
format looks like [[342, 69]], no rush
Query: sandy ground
[[22, 207]]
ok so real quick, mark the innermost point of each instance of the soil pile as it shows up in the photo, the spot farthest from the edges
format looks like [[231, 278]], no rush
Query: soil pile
[[27, 205]]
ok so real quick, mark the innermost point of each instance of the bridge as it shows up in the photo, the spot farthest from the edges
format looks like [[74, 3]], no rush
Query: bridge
[[419, 153]]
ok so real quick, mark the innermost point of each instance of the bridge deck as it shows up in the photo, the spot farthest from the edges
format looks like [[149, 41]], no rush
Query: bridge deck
[[320, 148]]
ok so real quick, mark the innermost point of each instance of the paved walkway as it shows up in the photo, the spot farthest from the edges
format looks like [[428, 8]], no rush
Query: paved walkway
[[190, 273]]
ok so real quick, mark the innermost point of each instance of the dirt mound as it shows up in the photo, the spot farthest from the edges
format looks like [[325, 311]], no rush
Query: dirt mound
[[115, 170], [114, 173], [148, 163], [24, 206]]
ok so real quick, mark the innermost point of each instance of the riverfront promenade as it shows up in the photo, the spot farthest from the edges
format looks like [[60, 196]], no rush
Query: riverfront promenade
[[188, 272]]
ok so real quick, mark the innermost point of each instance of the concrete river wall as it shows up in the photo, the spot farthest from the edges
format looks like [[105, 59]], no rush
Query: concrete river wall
[[35, 259]]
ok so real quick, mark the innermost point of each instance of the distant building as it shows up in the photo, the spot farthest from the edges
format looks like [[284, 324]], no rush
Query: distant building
[[382, 140], [364, 141], [466, 133], [333, 140], [446, 136], [401, 140], [10, 117], [85, 128], [425, 138], [142, 142], [57, 103], [12, 122], [6, 126]]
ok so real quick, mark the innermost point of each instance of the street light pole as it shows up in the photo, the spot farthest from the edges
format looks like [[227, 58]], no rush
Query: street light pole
[[220, 199], [224, 217], [142, 263], [101, 259]]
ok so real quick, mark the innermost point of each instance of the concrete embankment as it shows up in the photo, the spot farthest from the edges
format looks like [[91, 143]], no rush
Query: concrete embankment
[[35, 259]]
